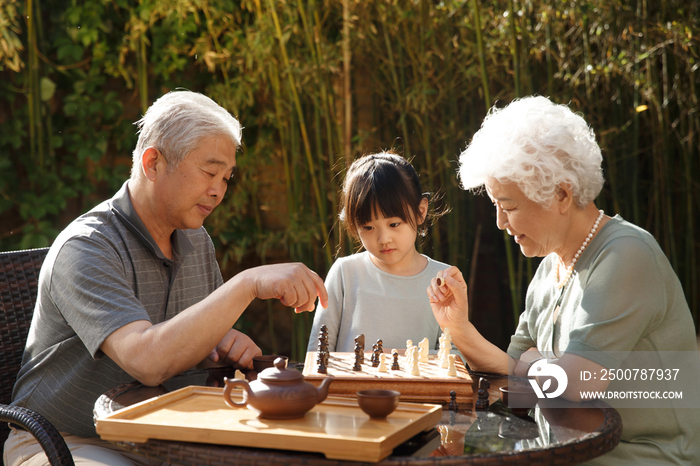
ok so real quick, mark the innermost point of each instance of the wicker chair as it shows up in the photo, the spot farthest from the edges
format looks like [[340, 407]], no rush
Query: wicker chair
[[19, 273]]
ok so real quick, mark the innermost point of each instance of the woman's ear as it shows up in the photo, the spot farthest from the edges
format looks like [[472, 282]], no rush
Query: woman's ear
[[564, 197]]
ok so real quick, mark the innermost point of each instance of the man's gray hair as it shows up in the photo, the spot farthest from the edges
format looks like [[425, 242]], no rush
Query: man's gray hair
[[177, 122], [538, 145]]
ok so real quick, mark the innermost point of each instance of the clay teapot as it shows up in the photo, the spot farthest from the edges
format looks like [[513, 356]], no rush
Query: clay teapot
[[278, 393]]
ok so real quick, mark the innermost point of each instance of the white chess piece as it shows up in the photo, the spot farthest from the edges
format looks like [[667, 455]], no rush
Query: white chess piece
[[415, 366], [407, 355], [444, 351], [424, 349], [452, 369], [441, 349], [448, 340], [382, 363]]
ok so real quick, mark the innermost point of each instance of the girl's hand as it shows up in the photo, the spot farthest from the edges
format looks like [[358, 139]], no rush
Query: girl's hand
[[448, 298]]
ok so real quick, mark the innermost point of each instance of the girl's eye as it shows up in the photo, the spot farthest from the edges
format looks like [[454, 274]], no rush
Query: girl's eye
[[366, 227], [395, 224]]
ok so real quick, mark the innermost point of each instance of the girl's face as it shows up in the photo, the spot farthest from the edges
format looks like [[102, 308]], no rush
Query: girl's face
[[391, 243]]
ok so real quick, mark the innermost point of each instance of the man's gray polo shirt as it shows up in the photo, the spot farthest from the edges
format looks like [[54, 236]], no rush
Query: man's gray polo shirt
[[103, 272]]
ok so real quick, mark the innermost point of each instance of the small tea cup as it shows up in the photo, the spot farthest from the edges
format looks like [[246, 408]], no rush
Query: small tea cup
[[262, 362], [378, 403], [519, 398]]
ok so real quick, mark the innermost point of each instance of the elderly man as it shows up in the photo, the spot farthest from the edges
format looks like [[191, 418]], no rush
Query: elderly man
[[132, 289]]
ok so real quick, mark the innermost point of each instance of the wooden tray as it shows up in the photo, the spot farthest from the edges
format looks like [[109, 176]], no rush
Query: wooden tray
[[337, 427], [432, 386]]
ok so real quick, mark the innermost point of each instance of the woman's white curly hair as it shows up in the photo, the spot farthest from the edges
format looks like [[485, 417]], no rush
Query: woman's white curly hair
[[538, 145]]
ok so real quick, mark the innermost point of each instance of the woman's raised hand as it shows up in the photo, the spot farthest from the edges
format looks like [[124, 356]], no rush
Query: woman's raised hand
[[448, 298]]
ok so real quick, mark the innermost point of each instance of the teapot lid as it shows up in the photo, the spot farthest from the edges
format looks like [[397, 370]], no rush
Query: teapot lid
[[279, 373]]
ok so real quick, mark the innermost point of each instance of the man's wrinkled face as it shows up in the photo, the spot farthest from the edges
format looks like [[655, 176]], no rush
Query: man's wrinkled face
[[190, 192]]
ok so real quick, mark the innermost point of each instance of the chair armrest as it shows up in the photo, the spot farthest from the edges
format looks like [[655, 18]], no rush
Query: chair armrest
[[45, 433]]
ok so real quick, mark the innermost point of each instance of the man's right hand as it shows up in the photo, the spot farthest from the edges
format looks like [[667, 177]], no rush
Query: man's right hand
[[295, 285]]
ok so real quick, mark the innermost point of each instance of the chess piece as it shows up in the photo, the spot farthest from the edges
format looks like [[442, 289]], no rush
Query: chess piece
[[415, 365], [360, 340], [444, 352], [322, 368], [424, 349], [482, 401], [451, 369], [382, 363], [358, 357], [379, 345], [453, 402], [448, 339], [408, 354], [323, 335], [395, 364], [375, 356]]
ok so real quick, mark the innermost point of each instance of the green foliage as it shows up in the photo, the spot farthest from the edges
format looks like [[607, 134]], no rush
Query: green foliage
[[76, 75]]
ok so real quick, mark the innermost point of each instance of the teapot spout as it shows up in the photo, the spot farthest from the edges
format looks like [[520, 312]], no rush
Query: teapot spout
[[322, 391]]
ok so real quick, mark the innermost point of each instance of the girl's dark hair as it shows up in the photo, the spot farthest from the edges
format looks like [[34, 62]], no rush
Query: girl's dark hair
[[385, 184]]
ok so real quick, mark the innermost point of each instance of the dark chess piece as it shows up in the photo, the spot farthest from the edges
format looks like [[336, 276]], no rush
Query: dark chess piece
[[395, 364], [482, 401], [358, 358], [375, 356], [360, 340], [322, 368], [322, 354], [453, 402], [379, 345]]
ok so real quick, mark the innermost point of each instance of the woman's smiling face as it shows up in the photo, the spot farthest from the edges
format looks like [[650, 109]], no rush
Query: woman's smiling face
[[533, 227]]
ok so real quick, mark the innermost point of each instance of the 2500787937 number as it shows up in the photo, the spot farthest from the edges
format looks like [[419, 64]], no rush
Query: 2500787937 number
[[639, 374]]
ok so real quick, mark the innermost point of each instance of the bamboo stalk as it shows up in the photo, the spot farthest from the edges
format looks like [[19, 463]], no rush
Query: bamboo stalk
[[398, 90], [320, 204], [586, 58], [46, 128], [32, 88], [548, 48], [143, 74], [347, 57], [694, 129], [690, 253], [215, 40], [481, 54], [514, 47], [668, 181]]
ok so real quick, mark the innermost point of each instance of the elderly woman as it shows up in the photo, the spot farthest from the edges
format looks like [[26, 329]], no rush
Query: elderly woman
[[604, 287]]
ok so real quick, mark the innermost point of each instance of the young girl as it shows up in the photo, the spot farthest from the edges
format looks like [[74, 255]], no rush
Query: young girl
[[380, 292]]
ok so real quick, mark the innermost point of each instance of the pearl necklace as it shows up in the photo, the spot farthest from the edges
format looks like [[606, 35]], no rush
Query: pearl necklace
[[570, 269]]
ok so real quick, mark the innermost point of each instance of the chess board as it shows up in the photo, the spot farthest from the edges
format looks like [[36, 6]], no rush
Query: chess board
[[433, 385]]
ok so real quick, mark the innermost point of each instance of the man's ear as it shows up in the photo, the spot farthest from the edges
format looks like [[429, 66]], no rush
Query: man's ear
[[564, 197], [151, 162]]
